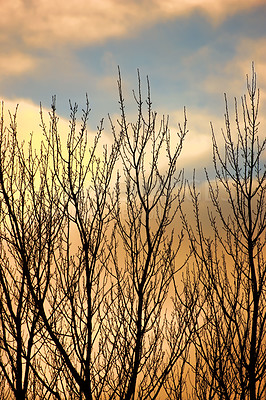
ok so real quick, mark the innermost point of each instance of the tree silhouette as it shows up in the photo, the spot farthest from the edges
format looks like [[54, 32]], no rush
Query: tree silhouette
[[145, 217], [230, 344], [93, 302], [29, 224], [95, 258]]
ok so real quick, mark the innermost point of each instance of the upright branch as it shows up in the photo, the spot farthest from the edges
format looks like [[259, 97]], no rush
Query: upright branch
[[79, 307], [148, 191], [29, 223], [230, 351]]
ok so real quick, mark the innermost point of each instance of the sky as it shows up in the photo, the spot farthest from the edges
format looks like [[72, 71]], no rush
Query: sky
[[192, 50]]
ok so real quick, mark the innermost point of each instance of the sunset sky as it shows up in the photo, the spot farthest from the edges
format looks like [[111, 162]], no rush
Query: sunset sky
[[192, 50]]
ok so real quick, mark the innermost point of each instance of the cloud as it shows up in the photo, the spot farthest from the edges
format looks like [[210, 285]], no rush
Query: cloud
[[211, 71], [29, 122], [42, 37], [49, 23], [216, 10], [230, 76], [251, 49], [46, 23], [197, 148], [28, 119], [15, 63]]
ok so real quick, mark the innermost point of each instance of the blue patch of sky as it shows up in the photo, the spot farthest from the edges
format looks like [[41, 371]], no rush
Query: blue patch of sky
[[163, 51], [250, 23], [158, 52]]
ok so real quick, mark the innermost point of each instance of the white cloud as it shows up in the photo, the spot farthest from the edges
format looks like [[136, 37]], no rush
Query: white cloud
[[58, 26], [251, 50], [225, 74], [29, 122], [16, 63], [197, 149], [49, 23], [217, 10], [28, 119]]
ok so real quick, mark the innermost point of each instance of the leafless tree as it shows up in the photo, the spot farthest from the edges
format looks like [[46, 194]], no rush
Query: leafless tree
[[96, 256], [80, 292], [150, 341], [230, 346], [28, 223]]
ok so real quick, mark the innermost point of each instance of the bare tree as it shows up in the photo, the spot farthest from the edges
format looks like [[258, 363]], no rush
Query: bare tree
[[28, 223], [150, 342], [97, 265], [230, 346], [109, 328], [188, 306], [79, 292]]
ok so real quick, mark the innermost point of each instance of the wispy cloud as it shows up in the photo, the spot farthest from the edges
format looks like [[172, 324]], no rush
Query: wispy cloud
[[49, 23], [230, 76], [29, 123], [216, 10], [13, 63], [28, 119], [192, 61], [197, 149]]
